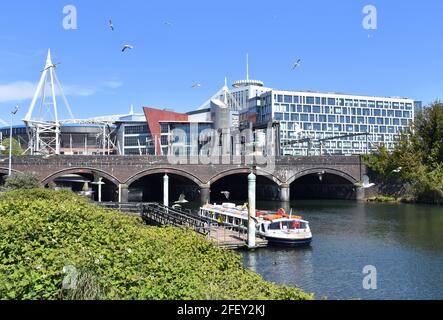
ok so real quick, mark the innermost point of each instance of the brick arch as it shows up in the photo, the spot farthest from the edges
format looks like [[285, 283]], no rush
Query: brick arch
[[335, 172], [63, 172], [177, 172], [232, 172]]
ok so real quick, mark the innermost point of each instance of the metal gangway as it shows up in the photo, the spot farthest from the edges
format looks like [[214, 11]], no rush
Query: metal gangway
[[224, 235]]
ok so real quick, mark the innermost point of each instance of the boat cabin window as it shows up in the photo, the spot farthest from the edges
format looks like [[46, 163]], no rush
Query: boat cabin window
[[293, 225], [275, 226]]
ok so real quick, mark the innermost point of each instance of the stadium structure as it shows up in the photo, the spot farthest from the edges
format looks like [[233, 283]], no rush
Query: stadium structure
[[45, 133]]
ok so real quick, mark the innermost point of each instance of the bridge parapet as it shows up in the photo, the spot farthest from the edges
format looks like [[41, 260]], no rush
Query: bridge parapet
[[124, 169]]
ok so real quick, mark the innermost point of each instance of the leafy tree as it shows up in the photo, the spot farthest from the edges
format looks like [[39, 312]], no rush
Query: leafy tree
[[417, 158], [16, 148], [28, 180]]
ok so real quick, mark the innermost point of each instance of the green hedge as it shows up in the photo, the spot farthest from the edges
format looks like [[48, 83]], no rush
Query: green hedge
[[117, 257]]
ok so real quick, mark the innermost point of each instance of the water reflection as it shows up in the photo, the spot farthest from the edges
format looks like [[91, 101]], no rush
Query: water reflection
[[404, 242]]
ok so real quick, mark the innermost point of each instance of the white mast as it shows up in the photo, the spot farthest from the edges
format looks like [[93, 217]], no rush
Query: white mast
[[45, 133]]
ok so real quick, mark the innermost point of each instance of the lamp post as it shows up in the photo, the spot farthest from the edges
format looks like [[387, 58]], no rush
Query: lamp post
[[13, 113]]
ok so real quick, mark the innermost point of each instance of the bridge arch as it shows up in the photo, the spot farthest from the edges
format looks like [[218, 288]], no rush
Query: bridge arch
[[163, 171], [322, 183], [91, 171], [332, 171], [259, 172], [235, 181], [76, 179], [148, 185]]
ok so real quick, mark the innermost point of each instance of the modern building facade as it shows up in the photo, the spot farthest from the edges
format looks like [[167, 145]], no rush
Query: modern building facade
[[314, 123]]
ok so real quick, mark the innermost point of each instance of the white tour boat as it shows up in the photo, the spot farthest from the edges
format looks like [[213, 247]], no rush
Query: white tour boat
[[279, 228]]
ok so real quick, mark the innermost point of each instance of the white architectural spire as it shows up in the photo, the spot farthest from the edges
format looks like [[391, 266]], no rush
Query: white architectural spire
[[131, 111], [45, 127]]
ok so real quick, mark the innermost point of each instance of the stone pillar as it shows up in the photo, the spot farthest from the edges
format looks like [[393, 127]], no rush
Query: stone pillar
[[360, 194], [166, 190], [285, 193], [252, 185], [205, 194], [100, 183], [123, 193]]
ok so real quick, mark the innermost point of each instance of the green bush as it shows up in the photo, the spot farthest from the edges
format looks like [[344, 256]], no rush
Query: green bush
[[117, 256], [27, 180]]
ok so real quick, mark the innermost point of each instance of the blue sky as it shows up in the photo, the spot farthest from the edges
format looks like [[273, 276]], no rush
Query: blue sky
[[208, 40]]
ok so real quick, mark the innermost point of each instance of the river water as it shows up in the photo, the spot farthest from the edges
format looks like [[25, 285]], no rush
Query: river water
[[403, 242]]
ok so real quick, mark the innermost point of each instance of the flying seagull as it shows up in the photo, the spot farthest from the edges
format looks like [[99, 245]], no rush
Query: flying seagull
[[196, 85], [227, 194], [111, 25], [366, 183], [54, 65], [398, 170], [126, 47], [297, 64]]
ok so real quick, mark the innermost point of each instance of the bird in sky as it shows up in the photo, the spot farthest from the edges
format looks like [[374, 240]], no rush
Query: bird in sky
[[196, 85], [111, 25], [167, 23], [297, 64], [126, 47], [54, 65], [227, 194], [398, 170], [366, 183]]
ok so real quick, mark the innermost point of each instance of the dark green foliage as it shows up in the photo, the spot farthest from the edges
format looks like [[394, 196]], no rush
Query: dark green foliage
[[117, 257], [26, 180], [420, 155]]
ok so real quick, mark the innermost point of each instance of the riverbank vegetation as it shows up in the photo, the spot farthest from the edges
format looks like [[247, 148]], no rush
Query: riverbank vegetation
[[18, 180], [417, 161], [56, 245]]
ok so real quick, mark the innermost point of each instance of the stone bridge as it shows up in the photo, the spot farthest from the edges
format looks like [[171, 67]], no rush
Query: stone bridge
[[329, 176]]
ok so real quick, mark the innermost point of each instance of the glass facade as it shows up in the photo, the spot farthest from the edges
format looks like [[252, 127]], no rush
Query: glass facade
[[326, 118], [137, 139], [169, 136]]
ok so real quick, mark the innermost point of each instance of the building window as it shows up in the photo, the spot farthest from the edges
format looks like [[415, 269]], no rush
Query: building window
[[164, 128]]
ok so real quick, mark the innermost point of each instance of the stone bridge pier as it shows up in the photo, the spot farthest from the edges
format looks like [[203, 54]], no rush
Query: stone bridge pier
[[140, 178]]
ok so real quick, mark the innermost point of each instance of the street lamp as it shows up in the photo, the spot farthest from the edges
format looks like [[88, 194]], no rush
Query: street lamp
[[13, 113]]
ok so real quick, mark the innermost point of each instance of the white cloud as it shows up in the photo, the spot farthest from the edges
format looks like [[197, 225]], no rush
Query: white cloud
[[74, 90], [3, 122], [24, 90], [112, 84], [17, 91]]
